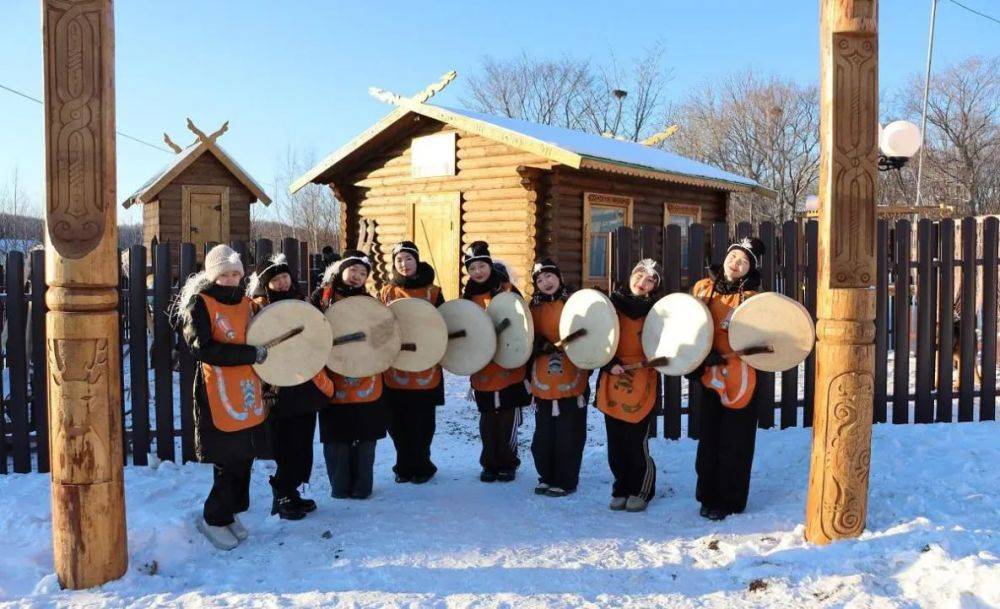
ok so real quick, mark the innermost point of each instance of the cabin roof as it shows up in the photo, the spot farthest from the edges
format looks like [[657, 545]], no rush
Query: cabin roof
[[566, 146], [184, 159]]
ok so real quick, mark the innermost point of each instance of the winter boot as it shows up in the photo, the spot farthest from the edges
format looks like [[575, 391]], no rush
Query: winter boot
[[238, 530], [541, 488], [488, 475], [306, 505], [617, 504], [221, 537], [635, 503], [506, 475]]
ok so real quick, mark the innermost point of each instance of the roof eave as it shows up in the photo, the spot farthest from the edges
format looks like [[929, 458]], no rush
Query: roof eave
[[669, 176]]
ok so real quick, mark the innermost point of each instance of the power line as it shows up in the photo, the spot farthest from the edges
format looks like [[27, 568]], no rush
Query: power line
[[975, 12], [125, 135]]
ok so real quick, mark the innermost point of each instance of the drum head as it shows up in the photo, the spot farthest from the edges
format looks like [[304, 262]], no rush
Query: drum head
[[773, 320], [299, 358], [593, 311], [423, 328], [514, 343], [467, 354], [678, 327], [378, 348]]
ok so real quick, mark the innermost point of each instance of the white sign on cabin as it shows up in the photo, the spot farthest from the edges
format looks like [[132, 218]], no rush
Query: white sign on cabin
[[433, 155]]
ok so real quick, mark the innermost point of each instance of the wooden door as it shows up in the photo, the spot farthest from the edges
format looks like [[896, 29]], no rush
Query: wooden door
[[436, 229], [204, 216]]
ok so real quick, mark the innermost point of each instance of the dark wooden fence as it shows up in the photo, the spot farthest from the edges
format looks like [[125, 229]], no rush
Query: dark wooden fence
[[920, 271], [935, 304], [154, 423]]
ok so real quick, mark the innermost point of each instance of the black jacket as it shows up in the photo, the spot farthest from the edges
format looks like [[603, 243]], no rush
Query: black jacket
[[211, 444]]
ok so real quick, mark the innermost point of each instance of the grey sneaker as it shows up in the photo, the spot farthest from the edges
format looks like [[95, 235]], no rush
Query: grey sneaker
[[239, 531], [635, 504], [617, 504], [221, 537]]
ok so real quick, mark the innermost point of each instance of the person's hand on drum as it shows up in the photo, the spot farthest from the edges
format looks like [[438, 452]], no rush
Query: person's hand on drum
[[261, 355], [617, 369]]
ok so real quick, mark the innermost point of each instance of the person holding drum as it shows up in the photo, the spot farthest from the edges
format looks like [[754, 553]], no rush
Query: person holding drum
[[355, 420], [561, 390], [412, 397], [626, 394], [228, 397], [500, 393], [728, 413], [293, 418]]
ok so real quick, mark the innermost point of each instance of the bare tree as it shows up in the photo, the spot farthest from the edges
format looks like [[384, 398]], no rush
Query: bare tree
[[962, 143], [20, 226], [620, 100], [312, 213], [764, 128]]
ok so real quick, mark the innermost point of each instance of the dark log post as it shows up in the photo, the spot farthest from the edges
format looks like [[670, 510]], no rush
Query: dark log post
[[81, 266], [837, 501]]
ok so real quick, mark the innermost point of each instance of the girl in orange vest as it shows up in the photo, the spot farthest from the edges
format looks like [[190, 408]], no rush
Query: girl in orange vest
[[355, 419], [561, 390], [499, 393], [728, 412], [412, 397], [628, 397], [228, 400], [293, 418]]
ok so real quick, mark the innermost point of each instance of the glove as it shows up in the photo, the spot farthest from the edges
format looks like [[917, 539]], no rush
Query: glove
[[261, 355]]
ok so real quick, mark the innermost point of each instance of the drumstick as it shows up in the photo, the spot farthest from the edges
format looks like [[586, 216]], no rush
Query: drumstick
[[408, 347], [649, 363], [349, 338], [748, 351], [503, 325], [277, 341], [559, 344], [457, 334]]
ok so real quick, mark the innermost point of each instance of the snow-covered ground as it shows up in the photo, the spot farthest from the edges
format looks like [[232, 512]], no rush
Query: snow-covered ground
[[933, 537]]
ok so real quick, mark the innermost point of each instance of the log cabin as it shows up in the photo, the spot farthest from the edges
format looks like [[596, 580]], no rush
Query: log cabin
[[446, 177], [202, 197]]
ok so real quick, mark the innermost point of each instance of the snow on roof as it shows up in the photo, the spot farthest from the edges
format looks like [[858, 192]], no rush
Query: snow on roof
[[597, 147]]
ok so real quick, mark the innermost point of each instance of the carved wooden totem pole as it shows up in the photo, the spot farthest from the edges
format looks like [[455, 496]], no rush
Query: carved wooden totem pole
[[88, 505], [845, 353]]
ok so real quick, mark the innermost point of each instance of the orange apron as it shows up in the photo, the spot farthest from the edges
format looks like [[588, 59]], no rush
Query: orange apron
[[553, 375], [734, 381], [234, 392], [495, 377], [631, 395]]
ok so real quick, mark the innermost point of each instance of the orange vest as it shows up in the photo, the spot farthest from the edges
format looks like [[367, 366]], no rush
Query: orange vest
[[401, 379], [553, 376], [631, 395], [494, 377], [347, 389], [234, 392], [734, 381], [321, 380]]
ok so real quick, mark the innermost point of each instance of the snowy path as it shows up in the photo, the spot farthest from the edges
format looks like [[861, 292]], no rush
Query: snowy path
[[933, 536]]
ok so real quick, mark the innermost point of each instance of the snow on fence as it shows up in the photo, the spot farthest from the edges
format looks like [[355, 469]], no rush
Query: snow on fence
[[921, 263]]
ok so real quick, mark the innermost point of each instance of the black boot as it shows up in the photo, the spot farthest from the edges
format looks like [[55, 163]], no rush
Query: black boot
[[285, 509], [306, 505]]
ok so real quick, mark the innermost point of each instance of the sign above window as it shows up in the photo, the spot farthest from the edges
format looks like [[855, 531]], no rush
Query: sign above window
[[433, 156]]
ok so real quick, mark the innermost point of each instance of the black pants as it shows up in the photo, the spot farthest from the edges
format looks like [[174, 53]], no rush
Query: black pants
[[557, 445], [629, 458], [230, 492], [725, 454], [292, 438], [350, 468], [411, 427], [498, 431]]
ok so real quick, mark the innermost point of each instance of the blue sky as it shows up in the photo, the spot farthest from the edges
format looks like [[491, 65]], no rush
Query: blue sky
[[295, 74]]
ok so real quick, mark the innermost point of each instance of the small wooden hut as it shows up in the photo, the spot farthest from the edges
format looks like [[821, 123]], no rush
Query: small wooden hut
[[446, 177], [203, 196]]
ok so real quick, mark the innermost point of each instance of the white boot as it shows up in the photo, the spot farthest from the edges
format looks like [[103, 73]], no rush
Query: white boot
[[237, 529], [221, 537]]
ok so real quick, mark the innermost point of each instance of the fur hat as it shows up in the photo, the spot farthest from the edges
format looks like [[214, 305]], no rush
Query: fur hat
[[477, 251], [753, 248], [650, 267], [408, 247], [351, 257], [267, 269], [545, 265], [222, 259]]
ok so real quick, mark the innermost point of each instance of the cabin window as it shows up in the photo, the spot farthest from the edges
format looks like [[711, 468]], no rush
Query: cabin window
[[602, 214], [683, 216], [433, 156]]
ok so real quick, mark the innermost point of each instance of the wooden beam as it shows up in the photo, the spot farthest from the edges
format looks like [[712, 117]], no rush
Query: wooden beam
[[837, 501], [81, 268]]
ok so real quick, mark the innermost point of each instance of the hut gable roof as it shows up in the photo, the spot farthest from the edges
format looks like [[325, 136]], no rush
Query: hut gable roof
[[184, 159], [575, 149]]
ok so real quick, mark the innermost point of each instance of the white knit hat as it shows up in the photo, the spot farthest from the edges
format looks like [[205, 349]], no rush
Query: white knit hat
[[222, 259]]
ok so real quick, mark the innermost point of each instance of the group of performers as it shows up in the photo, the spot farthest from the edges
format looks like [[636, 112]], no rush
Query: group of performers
[[216, 306]]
